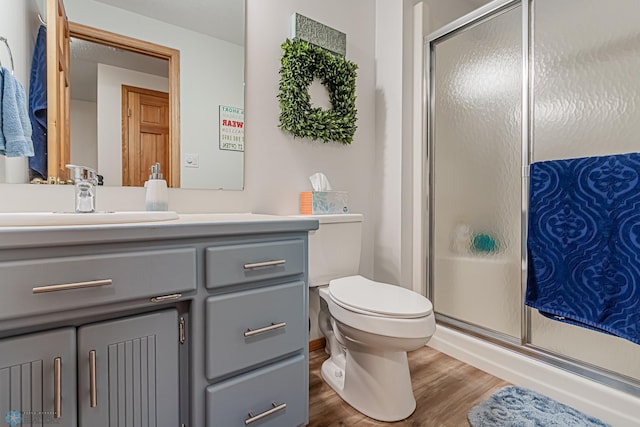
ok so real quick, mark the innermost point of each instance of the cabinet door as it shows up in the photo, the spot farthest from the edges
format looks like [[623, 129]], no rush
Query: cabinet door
[[128, 372], [38, 379]]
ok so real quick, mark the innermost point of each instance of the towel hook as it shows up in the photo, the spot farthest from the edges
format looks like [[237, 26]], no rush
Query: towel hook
[[42, 21], [3, 39]]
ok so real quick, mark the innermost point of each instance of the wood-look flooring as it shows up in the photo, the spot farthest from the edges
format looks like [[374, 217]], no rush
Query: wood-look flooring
[[445, 390]]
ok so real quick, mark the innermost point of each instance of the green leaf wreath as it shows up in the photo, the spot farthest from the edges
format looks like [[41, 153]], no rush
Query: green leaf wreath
[[302, 62]]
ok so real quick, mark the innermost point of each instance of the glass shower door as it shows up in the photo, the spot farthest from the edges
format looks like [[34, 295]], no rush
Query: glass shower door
[[475, 254], [586, 93]]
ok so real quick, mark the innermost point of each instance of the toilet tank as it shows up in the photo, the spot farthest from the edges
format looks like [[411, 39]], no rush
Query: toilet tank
[[334, 248]]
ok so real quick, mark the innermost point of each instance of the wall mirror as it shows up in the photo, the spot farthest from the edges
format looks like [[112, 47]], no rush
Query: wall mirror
[[161, 82]]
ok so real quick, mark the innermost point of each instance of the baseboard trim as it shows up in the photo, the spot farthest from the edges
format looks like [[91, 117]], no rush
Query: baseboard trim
[[612, 406], [317, 344]]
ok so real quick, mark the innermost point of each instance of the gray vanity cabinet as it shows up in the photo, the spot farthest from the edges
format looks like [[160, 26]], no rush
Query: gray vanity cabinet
[[38, 379], [194, 323], [128, 372]]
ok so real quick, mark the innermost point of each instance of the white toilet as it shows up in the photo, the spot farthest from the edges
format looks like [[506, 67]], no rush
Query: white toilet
[[369, 326]]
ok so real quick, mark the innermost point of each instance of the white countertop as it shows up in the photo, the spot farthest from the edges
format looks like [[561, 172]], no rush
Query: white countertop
[[185, 225], [48, 220]]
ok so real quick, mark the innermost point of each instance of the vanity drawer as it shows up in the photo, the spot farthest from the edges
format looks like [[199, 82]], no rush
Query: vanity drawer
[[231, 265], [248, 327], [32, 287], [276, 396]]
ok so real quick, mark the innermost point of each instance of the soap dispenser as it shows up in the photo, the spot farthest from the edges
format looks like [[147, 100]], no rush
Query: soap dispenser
[[157, 196]]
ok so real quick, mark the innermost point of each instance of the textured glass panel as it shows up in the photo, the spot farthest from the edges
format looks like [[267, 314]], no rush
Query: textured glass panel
[[476, 254], [606, 351], [586, 103], [586, 81]]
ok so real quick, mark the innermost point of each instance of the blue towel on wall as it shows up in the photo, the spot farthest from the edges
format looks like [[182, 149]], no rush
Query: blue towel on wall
[[15, 126], [584, 242], [38, 105]]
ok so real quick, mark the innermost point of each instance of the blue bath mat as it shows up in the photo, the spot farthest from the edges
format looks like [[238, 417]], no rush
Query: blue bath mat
[[519, 407]]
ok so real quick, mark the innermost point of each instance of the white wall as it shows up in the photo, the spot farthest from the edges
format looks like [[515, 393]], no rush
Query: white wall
[[84, 133], [389, 122], [109, 114], [278, 166], [398, 245]]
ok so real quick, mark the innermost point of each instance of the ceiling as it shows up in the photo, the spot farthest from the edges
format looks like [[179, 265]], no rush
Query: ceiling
[[222, 19]]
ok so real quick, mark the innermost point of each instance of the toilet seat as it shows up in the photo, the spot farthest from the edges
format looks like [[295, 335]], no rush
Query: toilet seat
[[361, 295], [391, 327]]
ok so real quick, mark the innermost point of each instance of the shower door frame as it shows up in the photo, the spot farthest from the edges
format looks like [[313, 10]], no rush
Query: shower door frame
[[523, 344]]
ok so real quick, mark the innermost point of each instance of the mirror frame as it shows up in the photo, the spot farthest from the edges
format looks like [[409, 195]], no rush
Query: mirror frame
[[120, 41]]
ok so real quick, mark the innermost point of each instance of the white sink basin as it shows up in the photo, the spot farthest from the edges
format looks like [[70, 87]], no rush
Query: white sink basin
[[69, 218]]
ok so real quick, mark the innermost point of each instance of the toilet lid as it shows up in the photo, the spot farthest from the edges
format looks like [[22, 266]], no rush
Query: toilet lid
[[374, 298]]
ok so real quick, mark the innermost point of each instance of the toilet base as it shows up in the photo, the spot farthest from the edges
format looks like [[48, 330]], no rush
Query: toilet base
[[387, 396], [333, 373]]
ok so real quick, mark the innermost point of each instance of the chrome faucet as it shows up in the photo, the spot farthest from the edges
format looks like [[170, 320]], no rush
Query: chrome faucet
[[85, 180]]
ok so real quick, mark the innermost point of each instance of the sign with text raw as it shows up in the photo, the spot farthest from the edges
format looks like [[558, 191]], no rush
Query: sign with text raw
[[231, 128]]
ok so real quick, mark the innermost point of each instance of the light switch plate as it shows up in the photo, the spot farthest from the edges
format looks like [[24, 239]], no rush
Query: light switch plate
[[191, 161]]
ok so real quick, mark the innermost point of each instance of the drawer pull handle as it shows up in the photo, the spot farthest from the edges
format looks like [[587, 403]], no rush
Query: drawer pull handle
[[71, 286], [276, 408], [264, 264], [57, 387], [93, 395], [166, 298], [271, 327]]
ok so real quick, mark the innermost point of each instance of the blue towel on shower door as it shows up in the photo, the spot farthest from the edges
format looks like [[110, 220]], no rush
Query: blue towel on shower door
[[584, 242]]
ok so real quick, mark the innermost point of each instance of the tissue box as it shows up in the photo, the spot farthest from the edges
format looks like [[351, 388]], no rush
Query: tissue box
[[323, 202]]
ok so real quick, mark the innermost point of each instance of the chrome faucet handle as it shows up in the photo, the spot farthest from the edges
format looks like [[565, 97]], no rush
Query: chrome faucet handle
[[83, 173]]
